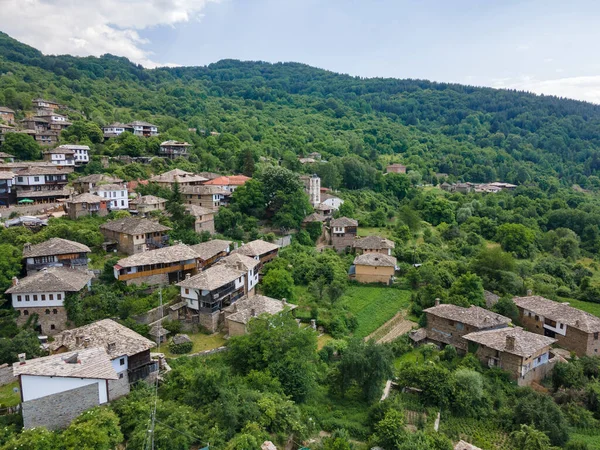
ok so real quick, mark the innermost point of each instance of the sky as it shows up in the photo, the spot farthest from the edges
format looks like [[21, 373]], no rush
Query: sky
[[541, 46]]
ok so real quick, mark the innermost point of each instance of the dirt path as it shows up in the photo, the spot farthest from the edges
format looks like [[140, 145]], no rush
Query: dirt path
[[392, 329]]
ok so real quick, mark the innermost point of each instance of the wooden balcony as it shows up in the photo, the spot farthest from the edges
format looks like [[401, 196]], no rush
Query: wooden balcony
[[157, 271]]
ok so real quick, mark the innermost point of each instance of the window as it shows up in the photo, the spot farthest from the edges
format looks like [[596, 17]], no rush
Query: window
[[27, 298], [529, 313], [35, 297], [51, 296], [537, 318], [460, 326], [47, 311], [25, 313], [52, 327], [596, 336], [20, 179], [58, 296], [19, 298], [561, 326], [36, 178], [122, 361], [43, 296], [187, 291], [55, 311], [122, 202], [120, 376], [451, 323]]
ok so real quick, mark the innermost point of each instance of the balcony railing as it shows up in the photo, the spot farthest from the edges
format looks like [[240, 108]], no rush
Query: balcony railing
[[142, 372]]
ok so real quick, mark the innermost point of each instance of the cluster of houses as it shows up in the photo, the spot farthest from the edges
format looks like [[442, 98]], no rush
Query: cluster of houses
[[465, 188], [526, 353]]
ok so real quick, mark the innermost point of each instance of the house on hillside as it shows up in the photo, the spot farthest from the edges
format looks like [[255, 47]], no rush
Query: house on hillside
[[129, 352], [43, 293], [247, 264], [174, 149], [330, 203], [133, 235], [238, 315], [314, 217], [7, 115], [157, 267], [343, 233], [87, 204], [60, 156], [210, 252], [116, 195], [115, 129], [525, 356], [260, 250], [209, 197], [42, 105], [55, 252], [373, 268], [8, 193], [395, 168], [81, 155], [5, 157], [228, 183], [144, 129], [205, 218], [147, 203], [373, 244], [312, 187], [447, 324], [89, 183], [208, 292], [574, 330], [4, 129], [42, 184], [56, 389], [181, 177]]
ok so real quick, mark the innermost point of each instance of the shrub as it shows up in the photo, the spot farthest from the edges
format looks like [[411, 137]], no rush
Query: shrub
[[180, 348]]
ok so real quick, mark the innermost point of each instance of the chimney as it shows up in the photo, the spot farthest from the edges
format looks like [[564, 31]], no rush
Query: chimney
[[577, 323], [313, 324], [27, 246], [529, 292], [22, 357], [188, 276], [486, 319], [437, 302], [510, 342], [86, 342], [253, 312], [15, 281], [78, 340], [235, 245]]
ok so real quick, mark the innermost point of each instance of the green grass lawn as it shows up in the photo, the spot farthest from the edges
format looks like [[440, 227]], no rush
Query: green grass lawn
[[368, 231], [8, 397], [590, 437], [373, 305], [592, 308], [323, 340], [200, 341]]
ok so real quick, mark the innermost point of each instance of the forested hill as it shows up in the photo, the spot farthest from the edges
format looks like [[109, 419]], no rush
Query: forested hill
[[470, 133]]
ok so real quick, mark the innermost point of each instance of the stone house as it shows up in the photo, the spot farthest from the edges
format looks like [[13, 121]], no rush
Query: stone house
[[116, 195], [209, 197], [207, 293], [42, 184], [238, 315], [115, 129], [7, 115], [82, 153], [5, 157], [447, 324], [181, 177], [154, 267], [574, 330], [228, 183], [373, 268], [55, 252], [373, 244], [395, 168], [43, 293], [260, 250], [128, 351], [87, 205], [205, 218], [314, 217], [60, 156], [247, 264], [343, 233], [41, 104], [90, 182], [312, 187], [146, 203], [210, 252], [8, 193], [331, 201], [4, 129], [135, 235], [525, 356], [174, 149], [56, 389], [144, 129]]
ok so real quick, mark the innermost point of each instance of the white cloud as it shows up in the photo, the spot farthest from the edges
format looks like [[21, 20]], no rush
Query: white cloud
[[86, 27], [580, 88]]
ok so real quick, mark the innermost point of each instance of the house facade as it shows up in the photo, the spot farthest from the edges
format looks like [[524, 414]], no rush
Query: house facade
[[8, 194], [89, 183], [209, 197], [173, 149], [373, 268], [84, 205], [246, 264], [81, 155], [260, 250], [525, 356], [56, 389], [42, 184], [205, 218], [43, 293], [343, 233], [147, 203], [55, 252], [155, 267], [128, 351], [134, 235], [331, 202], [115, 129], [60, 156], [210, 252], [373, 244], [7, 115], [181, 177], [573, 329], [312, 187], [144, 129], [116, 195], [239, 315], [395, 168]]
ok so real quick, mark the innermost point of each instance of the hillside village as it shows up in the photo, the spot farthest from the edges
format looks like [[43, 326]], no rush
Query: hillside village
[[216, 285]]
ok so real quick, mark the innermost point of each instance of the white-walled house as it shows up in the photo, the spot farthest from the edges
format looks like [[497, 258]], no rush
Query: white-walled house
[[81, 153], [56, 389], [332, 201], [60, 156], [43, 293], [248, 264], [116, 195]]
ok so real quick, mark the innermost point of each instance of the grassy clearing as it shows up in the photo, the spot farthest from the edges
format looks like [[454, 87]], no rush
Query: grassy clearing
[[481, 433], [368, 231], [323, 340], [373, 305], [201, 342], [8, 397], [592, 308], [590, 437]]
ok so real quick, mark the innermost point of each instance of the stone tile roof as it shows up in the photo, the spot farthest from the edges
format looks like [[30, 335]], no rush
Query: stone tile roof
[[212, 278], [344, 222], [239, 261], [141, 123], [54, 246], [560, 312], [87, 198], [165, 255], [148, 200], [257, 304], [46, 193], [314, 217], [373, 242], [198, 211], [116, 125], [52, 279], [209, 249], [41, 170], [177, 175], [75, 147], [462, 445], [375, 259], [116, 339], [87, 363], [232, 180], [203, 190], [523, 343], [181, 339], [111, 187], [134, 225], [60, 151], [5, 109], [6, 175], [256, 248], [6, 155], [474, 315], [98, 178], [490, 298]]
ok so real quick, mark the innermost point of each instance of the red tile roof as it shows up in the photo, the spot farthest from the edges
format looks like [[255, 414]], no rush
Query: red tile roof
[[233, 180]]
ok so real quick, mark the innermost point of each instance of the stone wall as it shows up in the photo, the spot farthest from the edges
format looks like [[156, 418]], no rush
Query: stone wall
[[118, 388], [447, 331], [58, 410], [161, 278], [210, 321], [6, 374], [51, 323], [342, 241], [153, 315]]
